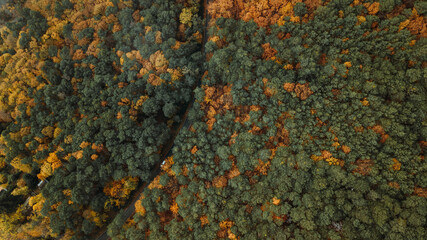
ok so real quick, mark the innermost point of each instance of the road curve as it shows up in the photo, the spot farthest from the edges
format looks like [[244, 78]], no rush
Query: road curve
[[130, 210]]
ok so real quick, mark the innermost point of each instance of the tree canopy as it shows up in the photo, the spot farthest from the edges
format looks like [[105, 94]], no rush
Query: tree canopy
[[308, 119]]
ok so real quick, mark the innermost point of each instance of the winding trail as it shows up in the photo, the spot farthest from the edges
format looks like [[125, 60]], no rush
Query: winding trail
[[129, 211]]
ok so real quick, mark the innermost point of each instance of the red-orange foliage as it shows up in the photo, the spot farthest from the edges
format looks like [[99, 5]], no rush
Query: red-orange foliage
[[346, 149], [416, 24], [269, 52], [204, 220], [421, 192], [263, 12], [194, 149], [372, 8], [217, 101], [302, 90], [139, 208], [363, 166], [380, 130], [234, 172], [121, 188], [219, 182]]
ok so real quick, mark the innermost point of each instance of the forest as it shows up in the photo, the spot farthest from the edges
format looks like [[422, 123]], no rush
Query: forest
[[214, 119]]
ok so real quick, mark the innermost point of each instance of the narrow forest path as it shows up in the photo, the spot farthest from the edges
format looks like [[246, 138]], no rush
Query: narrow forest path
[[129, 211]]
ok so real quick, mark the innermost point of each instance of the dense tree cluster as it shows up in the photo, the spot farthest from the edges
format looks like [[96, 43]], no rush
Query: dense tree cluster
[[91, 94], [309, 123], [304, 130], [265, 12]]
